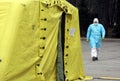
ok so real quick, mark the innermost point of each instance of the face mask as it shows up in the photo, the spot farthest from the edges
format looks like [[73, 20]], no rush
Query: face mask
[[95, 23]]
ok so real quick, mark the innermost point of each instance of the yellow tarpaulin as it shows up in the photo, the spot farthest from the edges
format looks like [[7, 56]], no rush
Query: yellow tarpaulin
[[29, 40]]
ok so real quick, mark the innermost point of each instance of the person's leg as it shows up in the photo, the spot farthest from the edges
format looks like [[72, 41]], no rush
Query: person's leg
[[98, 52], [94, 54], [93, 49], [98, 45]]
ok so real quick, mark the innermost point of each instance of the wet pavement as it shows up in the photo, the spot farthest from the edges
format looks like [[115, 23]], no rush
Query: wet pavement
[[108, 64]]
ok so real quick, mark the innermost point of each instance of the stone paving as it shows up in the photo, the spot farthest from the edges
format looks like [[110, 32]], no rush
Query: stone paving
[[108, 64]]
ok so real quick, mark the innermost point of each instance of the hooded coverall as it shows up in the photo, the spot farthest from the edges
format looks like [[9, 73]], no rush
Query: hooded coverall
[[95, 33]]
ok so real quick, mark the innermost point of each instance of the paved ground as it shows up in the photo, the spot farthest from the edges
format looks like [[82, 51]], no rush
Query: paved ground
[[108, 64]]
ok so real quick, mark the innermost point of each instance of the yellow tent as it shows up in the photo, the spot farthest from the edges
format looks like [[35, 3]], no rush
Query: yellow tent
[[30, 41]]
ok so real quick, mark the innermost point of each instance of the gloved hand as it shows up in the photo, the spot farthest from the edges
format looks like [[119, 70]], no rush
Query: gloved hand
[[103, 38], [87, 40]]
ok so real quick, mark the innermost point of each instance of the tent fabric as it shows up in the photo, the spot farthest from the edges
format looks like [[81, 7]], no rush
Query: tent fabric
[[29, 40], [74, 68]]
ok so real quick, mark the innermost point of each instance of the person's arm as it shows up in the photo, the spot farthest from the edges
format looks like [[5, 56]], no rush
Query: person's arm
[[103, 32], [88, 33]]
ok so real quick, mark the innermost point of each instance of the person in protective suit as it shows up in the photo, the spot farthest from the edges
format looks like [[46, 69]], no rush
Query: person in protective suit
[[95, 34]]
